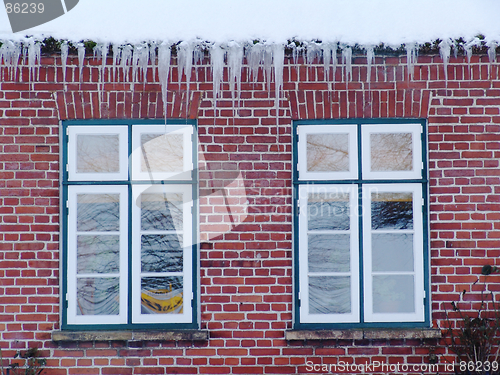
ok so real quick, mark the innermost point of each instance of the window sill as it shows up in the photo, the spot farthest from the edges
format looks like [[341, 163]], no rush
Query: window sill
[[173, 335], [360, 334]]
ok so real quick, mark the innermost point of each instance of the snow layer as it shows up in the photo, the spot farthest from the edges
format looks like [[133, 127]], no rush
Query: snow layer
[[366, 22]]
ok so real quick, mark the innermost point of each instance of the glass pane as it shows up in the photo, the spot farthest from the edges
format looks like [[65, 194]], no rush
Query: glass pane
[[98, 296], [392, 252], [161, 253], [329, 295], [392, 211], [391, 152], [98, 254], [328, 211], [161, 211], [161, 295], [98, 212], [328, 152], [97, 153], [329, 252], [162, 153], [393, 294]]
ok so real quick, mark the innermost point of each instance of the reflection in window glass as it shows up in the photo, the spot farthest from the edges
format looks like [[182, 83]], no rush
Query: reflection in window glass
[[98, 296], [161, 211], [98, 254], [328, 152], [330, 295], [328, 211], [97, 153], [98, 212], [161, 295], [392, 252], [393, 294], [162, 153], [161, 253], [329, 252], [392, 210], [391, 152]]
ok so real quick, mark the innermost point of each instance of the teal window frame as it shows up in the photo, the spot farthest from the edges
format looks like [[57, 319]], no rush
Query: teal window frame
[[347, 181], [129, 183]]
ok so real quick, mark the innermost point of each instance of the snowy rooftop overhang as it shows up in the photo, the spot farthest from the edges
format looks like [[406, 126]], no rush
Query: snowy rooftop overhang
[[362, 22]]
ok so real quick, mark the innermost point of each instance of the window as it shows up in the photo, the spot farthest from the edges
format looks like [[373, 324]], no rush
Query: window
[[129, 228], [361, 230]]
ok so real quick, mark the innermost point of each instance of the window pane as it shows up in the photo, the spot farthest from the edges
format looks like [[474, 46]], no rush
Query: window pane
[[329, 252], [97, 153], [98, 254], [391, 152], [393, 294], [328, 152], [162, 153], [98, 212], [328, 211], [161, 253], [392, 210], [98, 296], [329, 295], [161, 211], [392, 252], [161, 295]]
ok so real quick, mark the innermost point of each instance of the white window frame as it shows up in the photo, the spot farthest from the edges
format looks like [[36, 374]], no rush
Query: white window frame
[[130, 316], [185, 316], [364, 181], [414, 129], [73, 317], [75, 131], [304, 273], [418, 256], [303, 131]]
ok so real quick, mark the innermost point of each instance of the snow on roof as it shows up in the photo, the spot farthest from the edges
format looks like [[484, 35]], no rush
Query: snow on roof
[[363, 22]]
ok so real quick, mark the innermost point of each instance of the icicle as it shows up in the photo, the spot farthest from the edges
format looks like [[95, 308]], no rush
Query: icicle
[[34, 54], [135, 62], [164, 54], [347, 61], [199, 54], [140, 61], [255, 57], [116, 59], [97, 52], [126, 59], [444, 51], [3, 57], [152, 57], [185, 61], [313, 52], [10, 53], [15, 56], [64, 60], [101, 53], [370, 59], [81, 57], [295, 53], [411, 58], [234, 62], [327, 60], [279, 59], [468, 51], [217, 64], [492, 51], [104, 57], [268, 60]]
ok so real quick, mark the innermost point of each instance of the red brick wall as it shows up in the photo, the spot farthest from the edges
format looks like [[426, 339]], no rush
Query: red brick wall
[[246, 257]]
